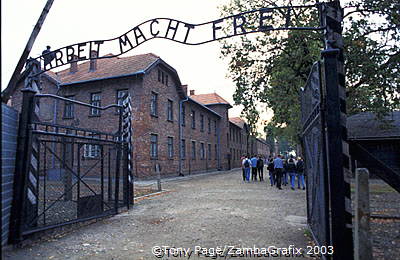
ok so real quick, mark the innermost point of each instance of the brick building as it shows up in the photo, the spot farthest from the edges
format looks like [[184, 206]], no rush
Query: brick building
[[183, 133], [259, 146], [238, 140]]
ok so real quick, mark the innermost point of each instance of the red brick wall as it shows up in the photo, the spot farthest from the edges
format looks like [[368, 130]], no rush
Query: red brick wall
[[197, 164], [237, 144], [222, 110]]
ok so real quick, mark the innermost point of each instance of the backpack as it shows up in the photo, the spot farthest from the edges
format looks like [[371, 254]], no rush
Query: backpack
[[270, 166], [246, 164]]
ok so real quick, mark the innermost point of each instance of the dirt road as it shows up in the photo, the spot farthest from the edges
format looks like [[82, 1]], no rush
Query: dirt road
[[214, 214]]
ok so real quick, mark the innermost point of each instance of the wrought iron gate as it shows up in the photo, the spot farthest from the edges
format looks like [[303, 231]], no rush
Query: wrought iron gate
[[326, 163], [68, 173], [313, 135]]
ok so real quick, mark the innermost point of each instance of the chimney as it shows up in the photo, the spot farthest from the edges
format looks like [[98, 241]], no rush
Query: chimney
[[184, 88], [74, 65], [192, 92], [93, 62]]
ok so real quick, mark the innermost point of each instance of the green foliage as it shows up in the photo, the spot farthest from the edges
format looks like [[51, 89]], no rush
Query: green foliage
[[272, 67]]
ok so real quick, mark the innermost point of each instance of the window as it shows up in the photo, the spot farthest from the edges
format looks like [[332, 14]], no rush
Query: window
[[154, 104], [209, 125], [215, 127], [153, 146], [202, 123], [91, 150], [170, 112], [183, 149], [170, 147], [216, 152], [183, 115], [202, 151], [193, 119], [95, 100], [121, 94], [69, 108], [163, 77], [193, 150], [209, 152]]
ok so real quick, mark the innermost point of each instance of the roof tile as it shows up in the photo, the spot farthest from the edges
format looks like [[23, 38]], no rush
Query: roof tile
[[108, 67], [209, 99], [237, 121]]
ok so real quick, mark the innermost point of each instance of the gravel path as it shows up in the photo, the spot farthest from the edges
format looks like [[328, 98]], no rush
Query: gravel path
[[209, 211]]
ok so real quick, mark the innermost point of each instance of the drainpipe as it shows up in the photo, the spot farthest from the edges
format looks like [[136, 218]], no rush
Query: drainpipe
[[219, 146], [181, 134]]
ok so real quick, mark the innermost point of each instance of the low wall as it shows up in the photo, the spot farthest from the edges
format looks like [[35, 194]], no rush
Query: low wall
[[9, 130]]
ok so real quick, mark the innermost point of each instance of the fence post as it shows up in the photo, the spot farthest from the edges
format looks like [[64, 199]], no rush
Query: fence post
[[158, 171], [22, 167], [362, 236], [336, 132]]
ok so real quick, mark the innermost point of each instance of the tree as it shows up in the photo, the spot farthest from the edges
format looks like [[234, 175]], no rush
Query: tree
[[273, 66]]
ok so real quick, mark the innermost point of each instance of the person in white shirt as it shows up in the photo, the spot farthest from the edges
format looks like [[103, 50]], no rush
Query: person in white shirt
[[246, 164]]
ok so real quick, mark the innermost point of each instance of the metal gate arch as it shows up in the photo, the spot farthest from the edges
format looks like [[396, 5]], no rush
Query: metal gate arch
[[324, 121]]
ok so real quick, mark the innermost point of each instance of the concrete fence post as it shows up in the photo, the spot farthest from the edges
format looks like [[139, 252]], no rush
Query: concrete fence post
[[362, 236], [158, 171]]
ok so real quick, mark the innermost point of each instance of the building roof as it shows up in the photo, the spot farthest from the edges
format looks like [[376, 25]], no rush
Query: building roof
[[203, 106], [108, 68], [237, 121], [367, 126], [210, 99]]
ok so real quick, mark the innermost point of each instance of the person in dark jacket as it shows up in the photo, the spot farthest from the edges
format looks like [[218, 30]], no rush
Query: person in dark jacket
[[291, 170], [254, 168], [260, 168], [278, 166], [300, 173], [271, 169], [284, 173]]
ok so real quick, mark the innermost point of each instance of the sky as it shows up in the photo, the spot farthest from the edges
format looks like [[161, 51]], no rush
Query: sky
[[74, 21]]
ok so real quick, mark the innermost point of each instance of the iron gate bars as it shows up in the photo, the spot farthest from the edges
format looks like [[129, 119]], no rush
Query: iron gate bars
[[82, 190], [313, 138]]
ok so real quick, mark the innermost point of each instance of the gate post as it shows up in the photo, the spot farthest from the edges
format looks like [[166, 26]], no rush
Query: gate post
[[336, 133], [22, 165]]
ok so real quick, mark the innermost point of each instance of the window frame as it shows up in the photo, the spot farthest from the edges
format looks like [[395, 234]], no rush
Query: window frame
[[95, 111], [154, 104], [91, 151], [201, 123], [193, 113], [71, 105], [170, 110], [193, 153], [170, 147], [119, 99], [153, 147], [202, 151]]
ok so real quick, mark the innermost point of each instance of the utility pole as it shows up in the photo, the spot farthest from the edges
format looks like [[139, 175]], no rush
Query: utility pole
[[22, 60]]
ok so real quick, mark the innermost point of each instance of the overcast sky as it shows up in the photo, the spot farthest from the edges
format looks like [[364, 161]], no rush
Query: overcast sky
[[75, 21]]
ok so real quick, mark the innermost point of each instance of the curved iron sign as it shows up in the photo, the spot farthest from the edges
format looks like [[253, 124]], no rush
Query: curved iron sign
[[259, 20]]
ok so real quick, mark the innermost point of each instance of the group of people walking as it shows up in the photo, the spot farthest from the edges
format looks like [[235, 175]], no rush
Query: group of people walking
[[255, 166], [279, 170]]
